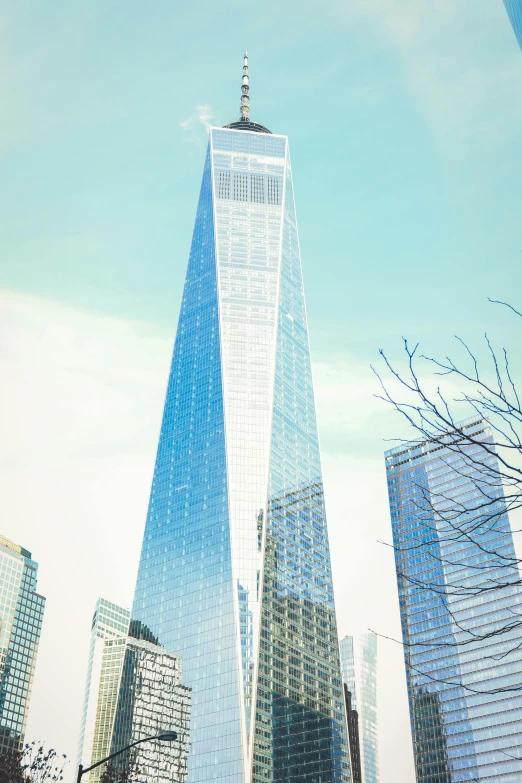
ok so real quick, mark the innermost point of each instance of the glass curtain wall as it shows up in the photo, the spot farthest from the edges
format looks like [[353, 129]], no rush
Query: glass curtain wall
[[359, 670], [21, 616], [101, 688], [463, 675], [514, 10], [235, 572]]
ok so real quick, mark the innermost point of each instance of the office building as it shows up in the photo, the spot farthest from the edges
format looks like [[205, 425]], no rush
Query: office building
[[514, 10], [152, 700], [109, 623], [235, 569], [352, 721], [21, 615], [359, 670], [133, 690], [460, 597]]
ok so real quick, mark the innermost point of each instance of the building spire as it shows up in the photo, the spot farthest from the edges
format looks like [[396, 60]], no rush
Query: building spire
[[244, 122], [245, 100]]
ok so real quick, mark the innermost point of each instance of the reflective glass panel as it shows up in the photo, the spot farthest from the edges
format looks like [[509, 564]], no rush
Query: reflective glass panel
[[236, 542], [465, 716]]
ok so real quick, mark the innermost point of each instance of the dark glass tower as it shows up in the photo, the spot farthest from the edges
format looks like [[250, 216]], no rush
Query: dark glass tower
[[235, 570]]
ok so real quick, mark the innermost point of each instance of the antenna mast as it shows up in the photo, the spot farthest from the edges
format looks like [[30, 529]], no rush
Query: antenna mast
[[245, 100]]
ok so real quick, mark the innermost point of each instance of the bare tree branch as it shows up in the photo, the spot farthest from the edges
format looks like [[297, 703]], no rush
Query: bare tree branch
[[456, 546]]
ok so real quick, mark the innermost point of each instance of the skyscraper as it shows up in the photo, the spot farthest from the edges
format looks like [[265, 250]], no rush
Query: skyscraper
[[134, 690], [359, 670], [110, 622], [152, 700], [21, 615], [352, 721], [514, 10], [235, 570], [460, 597]]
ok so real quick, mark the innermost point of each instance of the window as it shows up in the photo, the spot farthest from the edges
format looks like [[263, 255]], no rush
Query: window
[[274, 191], [223, 184], [240, 187], [257, 188]]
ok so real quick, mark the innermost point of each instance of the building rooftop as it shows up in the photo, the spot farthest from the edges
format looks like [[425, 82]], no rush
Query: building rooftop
[[15, 547], [245, 123]]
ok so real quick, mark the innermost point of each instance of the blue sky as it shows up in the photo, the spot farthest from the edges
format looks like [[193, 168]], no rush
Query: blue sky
[[404, 121], [404, 124]]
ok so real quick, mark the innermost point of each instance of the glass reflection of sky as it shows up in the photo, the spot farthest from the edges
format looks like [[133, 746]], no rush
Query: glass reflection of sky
[[465, 736], [234, 571]]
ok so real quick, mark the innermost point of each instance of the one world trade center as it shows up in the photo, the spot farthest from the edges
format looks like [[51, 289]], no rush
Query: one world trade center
[[235, 572]]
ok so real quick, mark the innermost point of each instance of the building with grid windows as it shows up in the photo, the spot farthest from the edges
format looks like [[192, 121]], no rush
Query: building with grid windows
[[359, 670], [514, 10], [21, 615], [152, 700], [109, 623], [133, 690], [460, 597], [235, 569]]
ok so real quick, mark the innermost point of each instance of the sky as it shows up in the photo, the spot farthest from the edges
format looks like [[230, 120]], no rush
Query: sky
[[404, 120]]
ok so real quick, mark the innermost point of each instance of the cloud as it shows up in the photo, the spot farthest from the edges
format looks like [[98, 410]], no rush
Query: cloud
[[352, 420], [201, 117], [81, 405], [80, 417]]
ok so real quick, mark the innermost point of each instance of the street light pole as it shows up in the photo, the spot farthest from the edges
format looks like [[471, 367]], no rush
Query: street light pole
[[166, 736]]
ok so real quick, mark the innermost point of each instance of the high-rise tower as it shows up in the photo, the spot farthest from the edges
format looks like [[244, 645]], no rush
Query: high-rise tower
[[461, 602], [21, 615], [134, 690], [235, 570], [514, 10], [110, 622], [359, 670]]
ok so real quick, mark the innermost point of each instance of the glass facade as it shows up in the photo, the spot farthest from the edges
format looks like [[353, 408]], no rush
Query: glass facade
[[359, 670], [133, 690], [514, 9], [152, 700], [462, 674], [21, 615], [234, 571], [110, 622]]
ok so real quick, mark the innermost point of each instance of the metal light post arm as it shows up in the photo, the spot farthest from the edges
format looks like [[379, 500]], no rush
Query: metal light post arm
[[81, 770]]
